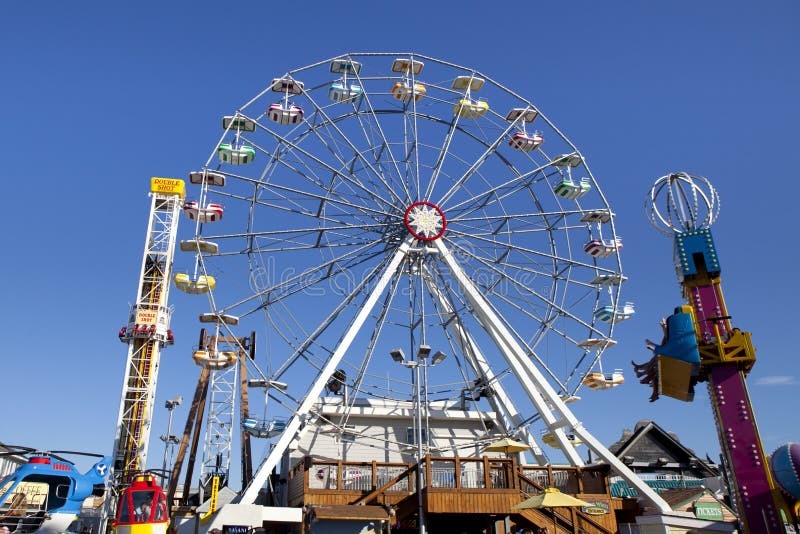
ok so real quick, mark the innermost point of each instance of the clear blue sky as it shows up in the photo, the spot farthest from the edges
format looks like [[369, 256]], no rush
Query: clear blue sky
[[97, 97]]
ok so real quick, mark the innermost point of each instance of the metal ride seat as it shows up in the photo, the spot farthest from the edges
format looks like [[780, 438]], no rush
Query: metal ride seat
[[202, 284], [342, 93], [209, 213], [524, 142], [600, 248], [211, 178], [406, 92], [214, 360], [602, 381], [607, 314], [285, 113], [228, 153], [568, 189], [470, 109]]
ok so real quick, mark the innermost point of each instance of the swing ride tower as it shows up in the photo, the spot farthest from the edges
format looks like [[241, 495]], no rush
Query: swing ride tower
[[701, 345]]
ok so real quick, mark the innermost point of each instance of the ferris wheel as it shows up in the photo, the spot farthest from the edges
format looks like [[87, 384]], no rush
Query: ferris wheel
[[373, 201]]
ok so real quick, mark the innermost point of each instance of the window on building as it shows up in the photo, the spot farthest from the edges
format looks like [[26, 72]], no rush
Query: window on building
[[411, 435], [349, 434]]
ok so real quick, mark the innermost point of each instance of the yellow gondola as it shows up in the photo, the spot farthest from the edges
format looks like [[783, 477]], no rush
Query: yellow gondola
[[211, 359], [203, 283], [404, 92], [601, 381], [470, 109], [550, 439]]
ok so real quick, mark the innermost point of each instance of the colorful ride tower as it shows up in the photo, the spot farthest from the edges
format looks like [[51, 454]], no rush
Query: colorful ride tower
[[700, 344]]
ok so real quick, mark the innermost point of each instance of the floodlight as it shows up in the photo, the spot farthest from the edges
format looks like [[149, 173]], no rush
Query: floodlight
[[171, 404], [438, 357]]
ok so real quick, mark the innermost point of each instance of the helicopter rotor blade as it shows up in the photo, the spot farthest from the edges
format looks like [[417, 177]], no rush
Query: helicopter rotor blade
[[80, 453]]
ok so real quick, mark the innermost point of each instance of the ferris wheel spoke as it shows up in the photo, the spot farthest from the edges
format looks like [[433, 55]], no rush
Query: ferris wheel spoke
[[529, 351], [283, 245], [332, 125], [344, 177], [412, 128], [362, 287], [311, 278], [490, 150], [506, 217], [527, 251], [345, 162], [492, 195], [437, 167], [522, 287], [307, 278], [331, 198], [385, 145], [356, 210]]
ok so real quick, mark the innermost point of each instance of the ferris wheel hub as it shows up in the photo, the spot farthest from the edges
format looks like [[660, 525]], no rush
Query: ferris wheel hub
[[425, 221]]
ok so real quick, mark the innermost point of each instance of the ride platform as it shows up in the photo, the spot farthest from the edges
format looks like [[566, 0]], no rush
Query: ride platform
[[458, 494]]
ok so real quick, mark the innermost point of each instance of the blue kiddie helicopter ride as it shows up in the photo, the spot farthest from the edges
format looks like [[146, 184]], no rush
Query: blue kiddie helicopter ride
[[45, 494]]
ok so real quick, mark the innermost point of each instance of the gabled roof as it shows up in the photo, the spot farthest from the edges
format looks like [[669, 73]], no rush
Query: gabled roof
[[649, 430], [680, 496]]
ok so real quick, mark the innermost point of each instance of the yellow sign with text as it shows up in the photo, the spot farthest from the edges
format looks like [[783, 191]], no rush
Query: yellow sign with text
[[146, 316], [168, 186]]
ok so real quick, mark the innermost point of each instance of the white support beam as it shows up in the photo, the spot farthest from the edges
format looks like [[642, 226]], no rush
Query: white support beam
[[538, 389], [500, 402], [250, 493]]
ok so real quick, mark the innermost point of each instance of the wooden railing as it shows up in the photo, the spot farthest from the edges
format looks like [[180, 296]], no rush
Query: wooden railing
[[312, 476], [452, 485]]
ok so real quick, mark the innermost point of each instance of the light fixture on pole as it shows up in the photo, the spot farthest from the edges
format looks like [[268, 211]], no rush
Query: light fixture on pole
[[397, 355], [169, 440], [423, 353]]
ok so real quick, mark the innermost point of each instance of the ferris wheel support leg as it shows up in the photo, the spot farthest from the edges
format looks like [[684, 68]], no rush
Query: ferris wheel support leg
[[250, 493], [536, 387], [501, 403], [540, 392]]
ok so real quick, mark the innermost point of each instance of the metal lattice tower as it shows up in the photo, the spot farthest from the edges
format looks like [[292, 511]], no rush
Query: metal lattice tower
[[147, 332], [219, 425]]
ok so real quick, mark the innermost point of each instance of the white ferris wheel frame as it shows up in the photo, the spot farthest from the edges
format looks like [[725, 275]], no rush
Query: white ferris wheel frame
[[552, 410]]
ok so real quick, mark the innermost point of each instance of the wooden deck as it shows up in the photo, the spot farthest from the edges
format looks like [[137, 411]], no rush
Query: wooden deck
[[458, 494]]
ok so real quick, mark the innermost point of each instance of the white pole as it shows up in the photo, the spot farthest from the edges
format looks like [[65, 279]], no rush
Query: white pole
[[418, 403]]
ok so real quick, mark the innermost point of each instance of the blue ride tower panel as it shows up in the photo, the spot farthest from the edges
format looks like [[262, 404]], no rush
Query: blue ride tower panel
[[689, 244]]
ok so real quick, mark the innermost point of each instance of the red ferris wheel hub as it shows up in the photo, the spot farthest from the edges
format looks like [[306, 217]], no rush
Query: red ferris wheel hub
[[425, 221]]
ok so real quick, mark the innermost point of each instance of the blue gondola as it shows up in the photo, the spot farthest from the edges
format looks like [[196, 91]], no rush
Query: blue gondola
[[264, 429], [608, 315], [341, 92]]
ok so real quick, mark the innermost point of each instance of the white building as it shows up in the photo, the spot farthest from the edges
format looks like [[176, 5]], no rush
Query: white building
[[384, 431]]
